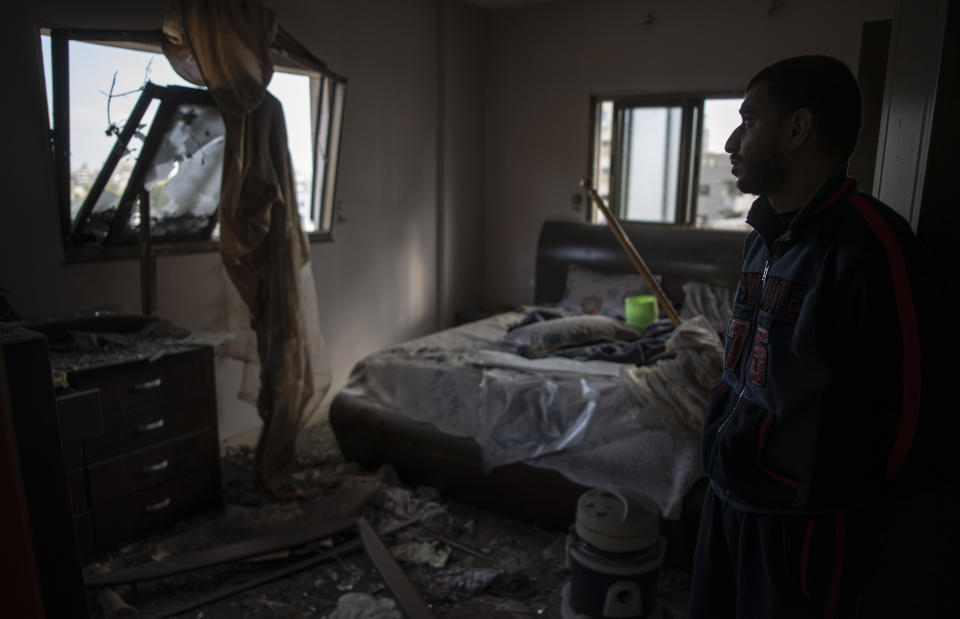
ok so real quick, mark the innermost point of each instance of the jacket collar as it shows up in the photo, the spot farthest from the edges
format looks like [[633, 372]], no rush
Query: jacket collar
[[767, 222]]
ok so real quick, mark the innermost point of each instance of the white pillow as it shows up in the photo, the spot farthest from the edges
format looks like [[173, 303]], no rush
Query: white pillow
[[591, 292]]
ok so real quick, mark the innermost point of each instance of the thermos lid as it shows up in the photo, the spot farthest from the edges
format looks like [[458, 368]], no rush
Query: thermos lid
[[614, 520]]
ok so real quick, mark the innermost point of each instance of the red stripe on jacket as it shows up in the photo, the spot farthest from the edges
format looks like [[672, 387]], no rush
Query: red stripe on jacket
[[836, 196], [839, 540], [714, 393], [776, 476], [786, 481], [909, 330], [763, 429]]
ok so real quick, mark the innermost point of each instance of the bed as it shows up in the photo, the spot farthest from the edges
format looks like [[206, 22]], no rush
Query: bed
[[471, 411]]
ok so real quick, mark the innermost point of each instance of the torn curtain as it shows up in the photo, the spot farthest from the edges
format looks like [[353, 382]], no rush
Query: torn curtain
[[224, 44]]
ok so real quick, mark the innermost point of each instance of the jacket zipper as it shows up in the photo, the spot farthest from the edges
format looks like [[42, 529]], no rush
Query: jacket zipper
[[743, 389]]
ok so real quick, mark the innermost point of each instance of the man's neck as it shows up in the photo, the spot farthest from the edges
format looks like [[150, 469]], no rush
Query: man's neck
[[798, 188]]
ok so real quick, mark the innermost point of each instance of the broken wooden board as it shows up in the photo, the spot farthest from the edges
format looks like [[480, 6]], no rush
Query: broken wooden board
[[403, 590], [219, 555], [342, 549]]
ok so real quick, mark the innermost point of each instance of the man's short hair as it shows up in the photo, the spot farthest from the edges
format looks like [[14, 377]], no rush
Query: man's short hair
[[827, 88]]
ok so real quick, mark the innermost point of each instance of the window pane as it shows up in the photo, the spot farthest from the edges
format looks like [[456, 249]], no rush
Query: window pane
[[106, 80], [97, 72], [47, 53], [650, 164], [98, 222], [293, 91], [332, 155], [719, 203], [321, 140], [183, 179], [604, 153]]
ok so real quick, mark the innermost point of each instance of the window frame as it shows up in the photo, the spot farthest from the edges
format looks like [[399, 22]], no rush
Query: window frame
[[169, 98], [287, 54], [688, 153]]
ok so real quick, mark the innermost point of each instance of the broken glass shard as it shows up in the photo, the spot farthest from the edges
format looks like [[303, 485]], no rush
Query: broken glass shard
[[183, 177]]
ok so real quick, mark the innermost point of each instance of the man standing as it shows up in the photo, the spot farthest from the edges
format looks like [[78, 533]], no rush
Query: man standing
[[825, 415]]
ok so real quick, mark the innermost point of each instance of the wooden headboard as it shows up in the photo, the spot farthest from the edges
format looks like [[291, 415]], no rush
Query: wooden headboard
[[677, 254]]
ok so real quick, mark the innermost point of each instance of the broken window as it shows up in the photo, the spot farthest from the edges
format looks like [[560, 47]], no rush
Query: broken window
[[173, 176], [661, 159], [127, 148]]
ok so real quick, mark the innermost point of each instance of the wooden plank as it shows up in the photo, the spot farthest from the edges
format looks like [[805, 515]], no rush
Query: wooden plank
[[219, 555], [407, 596], [342, 549]]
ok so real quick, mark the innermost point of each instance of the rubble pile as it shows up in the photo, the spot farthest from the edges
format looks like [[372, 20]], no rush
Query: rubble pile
[[464, 562]]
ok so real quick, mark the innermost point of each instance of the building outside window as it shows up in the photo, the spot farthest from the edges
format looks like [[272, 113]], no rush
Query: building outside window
[[662, 160]]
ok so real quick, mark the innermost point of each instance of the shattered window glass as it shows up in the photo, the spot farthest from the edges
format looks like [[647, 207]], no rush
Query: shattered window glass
[[102, 96], [183, 178], [176, 170], [97, 225], [106, 167]]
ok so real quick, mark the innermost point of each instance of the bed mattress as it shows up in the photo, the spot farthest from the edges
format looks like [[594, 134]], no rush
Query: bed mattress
[[596, 423]]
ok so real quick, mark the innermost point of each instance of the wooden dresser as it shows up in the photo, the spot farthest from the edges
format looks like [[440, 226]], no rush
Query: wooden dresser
[[140, 444]]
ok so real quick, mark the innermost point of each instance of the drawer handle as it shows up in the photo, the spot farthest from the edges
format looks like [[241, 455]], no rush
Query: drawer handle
[[150, 427], [155, 468], [159, 505], [148, 384]]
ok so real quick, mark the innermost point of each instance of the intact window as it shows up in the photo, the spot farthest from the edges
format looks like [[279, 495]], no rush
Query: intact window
[[661, 159], [130, 137]]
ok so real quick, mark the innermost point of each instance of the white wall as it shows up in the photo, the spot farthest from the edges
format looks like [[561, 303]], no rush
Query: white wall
[[378, 281], [462, 261], [544, 61]]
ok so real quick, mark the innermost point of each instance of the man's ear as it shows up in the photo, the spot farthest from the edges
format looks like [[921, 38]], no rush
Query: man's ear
[[799, 127]]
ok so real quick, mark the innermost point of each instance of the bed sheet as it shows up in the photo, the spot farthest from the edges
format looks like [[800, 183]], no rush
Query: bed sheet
[[597, 423]]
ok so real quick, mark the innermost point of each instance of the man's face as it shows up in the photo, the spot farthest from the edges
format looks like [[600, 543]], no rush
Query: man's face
[[755, 146]]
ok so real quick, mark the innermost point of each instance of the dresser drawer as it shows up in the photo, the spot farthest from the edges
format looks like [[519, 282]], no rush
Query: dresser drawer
[[151, 425], [126, 387], [142, 469], [156, 507], [79, 417]]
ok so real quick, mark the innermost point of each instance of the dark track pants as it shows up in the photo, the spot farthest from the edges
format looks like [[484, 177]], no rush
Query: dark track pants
[[762, 566]]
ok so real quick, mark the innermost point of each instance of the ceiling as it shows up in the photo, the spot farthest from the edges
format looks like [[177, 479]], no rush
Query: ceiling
[[504, 4]]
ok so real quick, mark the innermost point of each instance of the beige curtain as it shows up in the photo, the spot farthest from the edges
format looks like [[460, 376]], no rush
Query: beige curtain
[[224, 44]]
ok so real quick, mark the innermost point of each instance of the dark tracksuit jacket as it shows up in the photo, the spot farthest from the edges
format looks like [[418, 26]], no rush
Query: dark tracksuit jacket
[[831, 405], [832, 355]]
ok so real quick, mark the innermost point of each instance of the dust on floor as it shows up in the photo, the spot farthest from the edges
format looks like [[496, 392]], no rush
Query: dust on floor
[[466, 562]]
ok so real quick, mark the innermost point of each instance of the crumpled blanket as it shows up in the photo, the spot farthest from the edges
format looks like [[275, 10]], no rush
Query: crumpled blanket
[[538, 314], [681, 384], [650, 348]]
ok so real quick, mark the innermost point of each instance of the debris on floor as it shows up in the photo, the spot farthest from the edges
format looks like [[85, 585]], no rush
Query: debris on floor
[[419, 553], [464, 562], [364, 606]]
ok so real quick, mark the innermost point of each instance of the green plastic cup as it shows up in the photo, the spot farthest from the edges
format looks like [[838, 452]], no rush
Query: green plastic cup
[[640, 311]]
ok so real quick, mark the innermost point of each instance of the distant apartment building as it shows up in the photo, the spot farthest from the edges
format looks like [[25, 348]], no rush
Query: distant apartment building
[[718, 199]]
